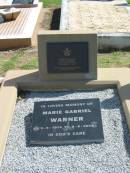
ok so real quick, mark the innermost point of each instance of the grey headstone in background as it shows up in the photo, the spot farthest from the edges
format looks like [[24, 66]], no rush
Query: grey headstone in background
[[1, 19], [22, 1], [67, 55]]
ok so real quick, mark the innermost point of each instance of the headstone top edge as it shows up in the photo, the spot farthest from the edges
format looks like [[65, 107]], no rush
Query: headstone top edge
[[43, 32]]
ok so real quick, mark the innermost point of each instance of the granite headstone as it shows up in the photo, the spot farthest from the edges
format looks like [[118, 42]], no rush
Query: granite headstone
[[67, 56]]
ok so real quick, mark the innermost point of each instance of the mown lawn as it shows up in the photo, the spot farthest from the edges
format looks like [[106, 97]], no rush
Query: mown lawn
[[114, 59], [51, 3], [128, 1], [28, 59], [19, 59]]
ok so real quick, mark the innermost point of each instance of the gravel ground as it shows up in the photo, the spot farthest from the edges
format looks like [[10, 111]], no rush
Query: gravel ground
[[112, 156]]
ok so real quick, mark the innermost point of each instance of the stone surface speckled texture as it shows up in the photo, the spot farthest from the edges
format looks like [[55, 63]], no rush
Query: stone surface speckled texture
[[96, 16], [111, 156]]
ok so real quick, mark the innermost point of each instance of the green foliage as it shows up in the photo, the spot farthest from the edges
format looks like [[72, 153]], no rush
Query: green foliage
[[128, 1], [51, 3]]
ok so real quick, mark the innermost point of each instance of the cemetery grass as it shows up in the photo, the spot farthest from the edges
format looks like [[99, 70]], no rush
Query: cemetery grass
[[27, 59], [128, 2], [51, 3], [114, 59]]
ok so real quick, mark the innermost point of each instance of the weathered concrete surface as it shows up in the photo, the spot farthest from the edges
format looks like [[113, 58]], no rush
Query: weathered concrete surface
[[110, 20]]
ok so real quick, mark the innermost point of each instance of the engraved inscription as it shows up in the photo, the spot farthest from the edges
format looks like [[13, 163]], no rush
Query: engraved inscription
[[68, 120], [67, 57]]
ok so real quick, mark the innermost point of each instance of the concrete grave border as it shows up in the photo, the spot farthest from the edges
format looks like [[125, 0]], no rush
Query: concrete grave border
[[107, 41], [8, 4], [29, 80]]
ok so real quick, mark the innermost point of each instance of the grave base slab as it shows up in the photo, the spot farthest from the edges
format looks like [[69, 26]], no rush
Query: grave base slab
[[29, 80]]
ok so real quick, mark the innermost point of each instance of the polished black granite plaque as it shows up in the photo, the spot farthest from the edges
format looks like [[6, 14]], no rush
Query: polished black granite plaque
[[68, 57], [66, 122]]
